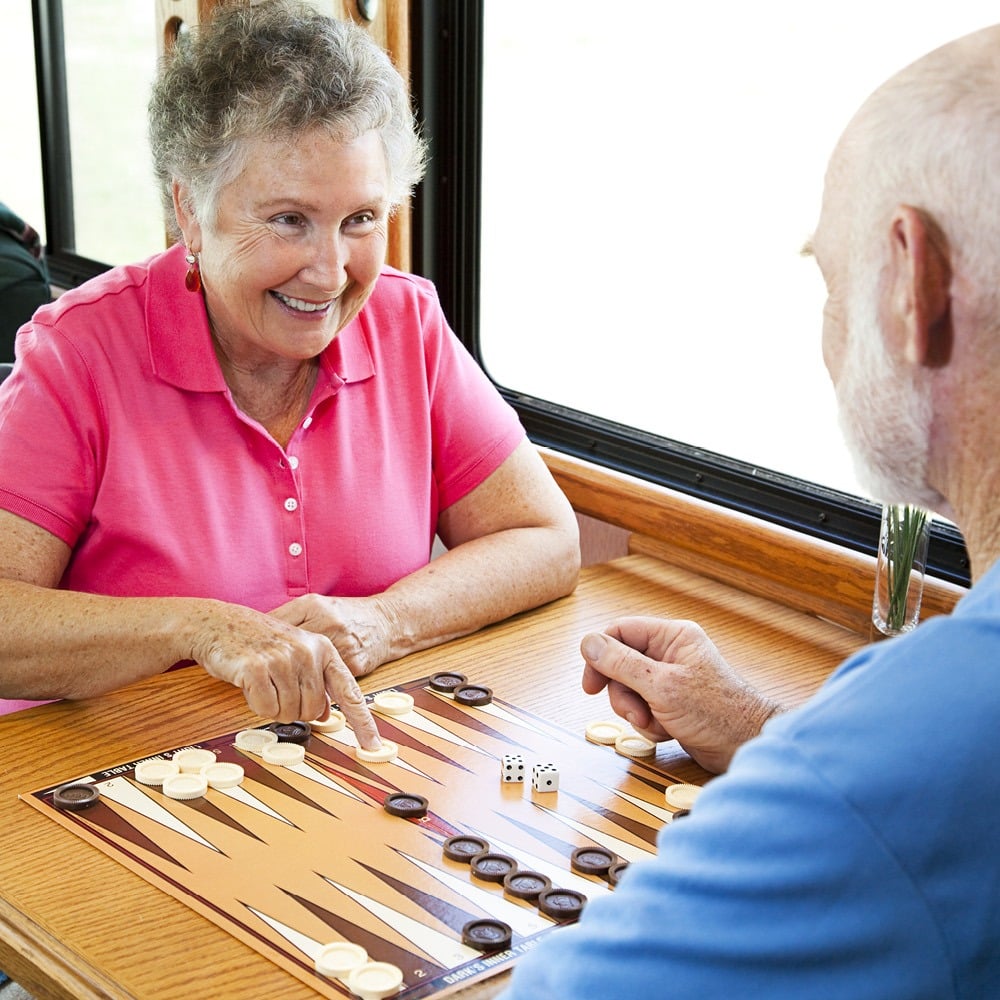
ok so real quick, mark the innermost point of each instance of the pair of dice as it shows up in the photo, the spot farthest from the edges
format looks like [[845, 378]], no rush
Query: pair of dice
[[544, 777]]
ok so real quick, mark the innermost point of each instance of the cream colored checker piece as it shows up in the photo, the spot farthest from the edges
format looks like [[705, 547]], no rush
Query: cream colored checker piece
[[634, 745], [388, 751], [185, 786], [223, 774], [374, 980], [333, 724], [681, 796], [392, 703], [285, 754], [155, 770], [254, 740], [604, 732], [339, 958], [193, 759]]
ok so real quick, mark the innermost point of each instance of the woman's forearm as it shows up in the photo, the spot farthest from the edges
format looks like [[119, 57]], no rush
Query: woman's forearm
[[480, 582], [64, 644]]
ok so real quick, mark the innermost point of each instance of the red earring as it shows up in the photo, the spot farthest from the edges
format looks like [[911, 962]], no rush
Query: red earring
[[192, 280]]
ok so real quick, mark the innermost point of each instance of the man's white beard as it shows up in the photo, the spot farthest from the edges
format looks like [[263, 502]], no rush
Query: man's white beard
[[885, 414]]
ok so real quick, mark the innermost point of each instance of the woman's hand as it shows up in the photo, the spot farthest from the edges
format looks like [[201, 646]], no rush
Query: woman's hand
[[361, 628], [669, 681], [285, 673]]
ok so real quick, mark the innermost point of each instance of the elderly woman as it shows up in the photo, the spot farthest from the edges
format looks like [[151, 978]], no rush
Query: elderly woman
[[239, 451]]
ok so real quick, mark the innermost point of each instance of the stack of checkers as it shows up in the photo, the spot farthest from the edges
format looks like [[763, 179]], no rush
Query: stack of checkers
[[349, 963], [593, 860], [76, 796], [612, 733], [681, 797], [281, 743], [188, 774], [333, 723]]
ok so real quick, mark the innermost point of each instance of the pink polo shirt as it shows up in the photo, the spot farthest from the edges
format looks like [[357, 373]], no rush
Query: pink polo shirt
[[119, 435]]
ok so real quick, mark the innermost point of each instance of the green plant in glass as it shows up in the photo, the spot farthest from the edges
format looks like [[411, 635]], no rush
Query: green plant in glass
[[899, 570]]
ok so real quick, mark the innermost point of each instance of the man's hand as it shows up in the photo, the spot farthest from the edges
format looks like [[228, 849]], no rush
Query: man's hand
[[668, 680]]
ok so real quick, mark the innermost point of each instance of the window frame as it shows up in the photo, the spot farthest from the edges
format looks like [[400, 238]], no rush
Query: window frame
[[447, 81], [447, 62]]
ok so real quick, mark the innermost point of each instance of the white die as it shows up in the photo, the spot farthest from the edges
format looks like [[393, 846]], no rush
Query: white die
[[512, 767], [545, 777]]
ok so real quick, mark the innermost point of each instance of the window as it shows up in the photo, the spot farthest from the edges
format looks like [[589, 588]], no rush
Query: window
[[110, 50], [645, 194], [20, 165], [647, 179], [96, 65], [616, 201]]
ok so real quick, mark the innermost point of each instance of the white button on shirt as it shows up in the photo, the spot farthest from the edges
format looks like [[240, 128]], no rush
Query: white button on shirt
[[291, 504], [295, 549]]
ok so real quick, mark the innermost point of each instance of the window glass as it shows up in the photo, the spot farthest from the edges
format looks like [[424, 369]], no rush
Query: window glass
[[651, 172], [20, 164], [110, 63]]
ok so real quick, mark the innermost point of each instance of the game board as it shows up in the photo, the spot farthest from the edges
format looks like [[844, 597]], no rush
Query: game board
[[297, 857]]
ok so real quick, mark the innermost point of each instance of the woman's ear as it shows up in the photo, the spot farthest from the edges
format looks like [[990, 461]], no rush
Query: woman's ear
[[187, 221], [920, 286]]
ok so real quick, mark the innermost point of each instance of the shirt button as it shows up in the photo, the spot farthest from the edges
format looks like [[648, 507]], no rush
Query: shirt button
[[293, 461], [291, 504], [295, 549], [306, 423]]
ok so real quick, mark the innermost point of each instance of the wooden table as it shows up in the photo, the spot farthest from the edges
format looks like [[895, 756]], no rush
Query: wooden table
[[75, 923]]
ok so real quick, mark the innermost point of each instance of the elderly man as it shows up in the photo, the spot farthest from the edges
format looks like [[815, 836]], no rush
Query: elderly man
[[851, 849]]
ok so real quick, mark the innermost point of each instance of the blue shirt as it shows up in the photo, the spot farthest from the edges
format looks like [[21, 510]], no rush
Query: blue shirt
[[852, 850]]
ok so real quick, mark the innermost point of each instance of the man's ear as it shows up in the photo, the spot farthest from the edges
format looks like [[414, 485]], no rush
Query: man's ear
[[187, 221], [920, 286]]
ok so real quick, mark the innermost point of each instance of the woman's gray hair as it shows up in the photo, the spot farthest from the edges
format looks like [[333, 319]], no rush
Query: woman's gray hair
[[270, 71]]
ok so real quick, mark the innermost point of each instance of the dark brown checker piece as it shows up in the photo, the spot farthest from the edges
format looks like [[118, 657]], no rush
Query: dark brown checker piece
[[679, 814], [491, 866], [615, 872], [473, 694], [592, 860], [291, 732], [405, 804], [75, 796], [526, 885], [563, 905], [487, 934], [464, 847], [446, 681]]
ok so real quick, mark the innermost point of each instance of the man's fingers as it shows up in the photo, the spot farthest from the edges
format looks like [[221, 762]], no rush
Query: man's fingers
[[593, 681], [609, 658]]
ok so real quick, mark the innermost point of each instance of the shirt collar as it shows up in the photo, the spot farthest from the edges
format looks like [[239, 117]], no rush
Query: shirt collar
[[180, 342]]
